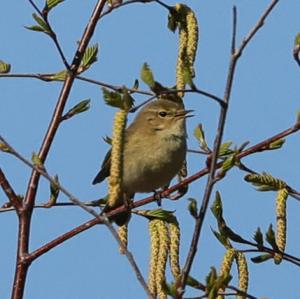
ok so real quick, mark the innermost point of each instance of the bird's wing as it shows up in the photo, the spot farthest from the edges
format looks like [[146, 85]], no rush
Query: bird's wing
[[104, 171]]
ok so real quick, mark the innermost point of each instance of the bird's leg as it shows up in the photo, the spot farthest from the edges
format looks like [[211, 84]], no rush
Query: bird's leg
[[157, 196]]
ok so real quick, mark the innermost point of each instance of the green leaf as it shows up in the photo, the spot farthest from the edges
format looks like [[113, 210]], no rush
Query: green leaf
[[225, 149], [258, 237], [112, 98], [147, 75], [4, 148], [42, 25], [192, 282], [78, 108], [89, 57], [221, 238], [128, 100], [54, 192], [136, 84], [169, 289], [107, 139], [217, 208], [276, 144], [192, 207], [261, 258], [161, 214], [228, 163], [172, 21], [270, 237], [200, 136], [211, 277], [52, 3], [4, 67], [36, 160], [35, 28], [297, 40], [60, 76]]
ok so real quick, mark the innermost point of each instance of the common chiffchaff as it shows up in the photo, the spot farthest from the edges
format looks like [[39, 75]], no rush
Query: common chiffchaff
[[154, 149]]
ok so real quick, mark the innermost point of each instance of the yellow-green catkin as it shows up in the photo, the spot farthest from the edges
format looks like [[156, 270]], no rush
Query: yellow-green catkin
[[174, 233], [226, 266], [123, 236], [193, 36], [154, 247], [181, 59], [115, 178], [164, 245], [243, 273], [188, 44], [281, 199]]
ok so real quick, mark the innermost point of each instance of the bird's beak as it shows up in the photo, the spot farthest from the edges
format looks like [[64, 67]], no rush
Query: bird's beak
[[184, 113]]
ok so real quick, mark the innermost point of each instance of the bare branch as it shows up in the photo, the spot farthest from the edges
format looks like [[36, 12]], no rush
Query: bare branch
[[8, 190], [218, 139]]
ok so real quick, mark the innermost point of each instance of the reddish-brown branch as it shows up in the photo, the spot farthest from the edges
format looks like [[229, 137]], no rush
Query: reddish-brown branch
[[28, 203], [9, 191], [235, 55], [251, 150]]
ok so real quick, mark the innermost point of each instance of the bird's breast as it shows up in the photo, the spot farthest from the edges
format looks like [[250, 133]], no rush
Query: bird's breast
[[150, 165]]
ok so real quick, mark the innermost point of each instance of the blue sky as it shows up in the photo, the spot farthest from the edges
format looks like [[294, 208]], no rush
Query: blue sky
[[265, 100]]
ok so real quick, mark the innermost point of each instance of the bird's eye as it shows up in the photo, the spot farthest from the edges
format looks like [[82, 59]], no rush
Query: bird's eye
[[162, 113]]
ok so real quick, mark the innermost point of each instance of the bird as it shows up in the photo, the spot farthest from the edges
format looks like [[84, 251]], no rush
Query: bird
[[154, 151]]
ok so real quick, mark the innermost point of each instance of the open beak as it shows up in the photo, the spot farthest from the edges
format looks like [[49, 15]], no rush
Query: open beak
[[184, 113]]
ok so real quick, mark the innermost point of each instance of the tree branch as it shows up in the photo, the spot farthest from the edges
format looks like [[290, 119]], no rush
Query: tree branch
[[235, 55], [9, 191]]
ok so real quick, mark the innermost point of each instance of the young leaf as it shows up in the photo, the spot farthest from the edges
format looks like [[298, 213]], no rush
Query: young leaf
[[162, 215], [200, 135], [60, 76], [42, 25], [107, 139], [4, 148], [78, 108], [36, 160], [4, 67], [217, 208], [172, 21], [221, 238], [147, 75], [52, 3], [89, 57], [276, 144], [192, 207], [258, 237], [113, 99], [225, 149], [261, 258], [270, 237], [297, 40]]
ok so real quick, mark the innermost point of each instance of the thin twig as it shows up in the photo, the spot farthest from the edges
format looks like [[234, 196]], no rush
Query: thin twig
[[100, 218], [218, 139], [81, 228], [48, 77], [9, 191], [25, 213], [52, 34]]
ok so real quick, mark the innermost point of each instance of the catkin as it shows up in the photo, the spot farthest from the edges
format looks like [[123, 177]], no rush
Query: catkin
[[226, 266], [193, 36], [115, 178], [123, 235], [174, 231], [188, 44], [164, 244], [281, 199], [154, 247], [243, 273]]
